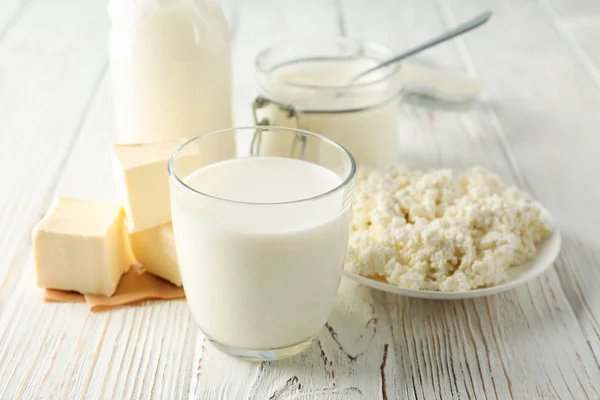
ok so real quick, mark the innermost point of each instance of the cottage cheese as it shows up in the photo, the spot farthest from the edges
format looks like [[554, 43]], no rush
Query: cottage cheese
[[437, 231]]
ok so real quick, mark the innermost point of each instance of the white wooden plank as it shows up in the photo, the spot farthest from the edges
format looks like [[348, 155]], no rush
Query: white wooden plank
[[324, 371], [378, 345], [132, 352], [549, 121], [114, 354], [347, 367], [230, 11], [577, 9], [50, 63], [398, 25], [482, 360], [264, 23], [580, 32], [83, 354], [10, 12], [582, 38], [462, 139]]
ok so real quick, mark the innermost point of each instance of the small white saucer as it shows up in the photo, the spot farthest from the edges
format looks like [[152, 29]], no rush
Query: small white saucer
[[517, 276]]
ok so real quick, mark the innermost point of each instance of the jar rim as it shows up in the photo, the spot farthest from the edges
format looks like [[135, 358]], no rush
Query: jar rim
[[390, 71]]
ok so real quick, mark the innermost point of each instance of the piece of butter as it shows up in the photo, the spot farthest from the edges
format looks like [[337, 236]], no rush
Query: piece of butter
[[154, 248], [82, 246], [143, 181]]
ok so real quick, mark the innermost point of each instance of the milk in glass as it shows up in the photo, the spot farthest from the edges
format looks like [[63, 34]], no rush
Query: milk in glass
[[261, 267]]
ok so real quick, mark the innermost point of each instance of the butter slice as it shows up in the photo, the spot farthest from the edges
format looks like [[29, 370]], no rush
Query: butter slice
[[154, 248], [81, 246], [143, 182]]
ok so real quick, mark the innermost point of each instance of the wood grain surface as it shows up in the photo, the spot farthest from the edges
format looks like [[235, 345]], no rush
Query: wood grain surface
[[536, 124]]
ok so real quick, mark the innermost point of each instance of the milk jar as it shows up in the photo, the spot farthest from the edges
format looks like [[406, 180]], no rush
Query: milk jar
[[170, 68], [306, 84]]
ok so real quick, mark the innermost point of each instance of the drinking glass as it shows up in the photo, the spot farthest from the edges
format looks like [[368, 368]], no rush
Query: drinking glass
[[260, 277]]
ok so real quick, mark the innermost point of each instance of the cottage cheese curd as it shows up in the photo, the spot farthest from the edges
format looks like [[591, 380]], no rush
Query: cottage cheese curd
[[435, 231]]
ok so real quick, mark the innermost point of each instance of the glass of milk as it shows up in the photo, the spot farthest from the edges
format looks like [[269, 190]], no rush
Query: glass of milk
[[305, 84], [261, 238]]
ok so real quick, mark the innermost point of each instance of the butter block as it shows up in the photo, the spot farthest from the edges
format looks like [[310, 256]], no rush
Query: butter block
[[82, 246], [154, 248], [143, 182]]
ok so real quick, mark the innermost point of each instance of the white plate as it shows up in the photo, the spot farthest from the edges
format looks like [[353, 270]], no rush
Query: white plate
[[517, 276]]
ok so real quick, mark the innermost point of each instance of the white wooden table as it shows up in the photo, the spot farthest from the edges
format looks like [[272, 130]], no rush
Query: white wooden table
[[538, 126]]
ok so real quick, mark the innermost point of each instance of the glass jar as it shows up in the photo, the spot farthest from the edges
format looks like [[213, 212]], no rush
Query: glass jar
[[305, 84], [170, 69]]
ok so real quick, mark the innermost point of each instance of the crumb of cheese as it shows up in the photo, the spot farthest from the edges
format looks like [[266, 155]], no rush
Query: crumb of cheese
[[434, 231]]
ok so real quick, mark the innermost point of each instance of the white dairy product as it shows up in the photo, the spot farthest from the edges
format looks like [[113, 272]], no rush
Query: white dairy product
[[142, 180], [81, 245], [154, 249], [170, 67], [260, 275], [363, 119], [433, 230]]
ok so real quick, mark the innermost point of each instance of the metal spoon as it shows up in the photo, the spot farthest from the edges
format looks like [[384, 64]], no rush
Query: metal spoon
[[459, 30]]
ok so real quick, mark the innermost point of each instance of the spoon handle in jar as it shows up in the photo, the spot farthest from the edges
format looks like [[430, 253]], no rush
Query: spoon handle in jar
[[460, 29]]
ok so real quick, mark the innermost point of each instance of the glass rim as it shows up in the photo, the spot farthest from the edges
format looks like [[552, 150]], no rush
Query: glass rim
[[261, 68], [345, 182]]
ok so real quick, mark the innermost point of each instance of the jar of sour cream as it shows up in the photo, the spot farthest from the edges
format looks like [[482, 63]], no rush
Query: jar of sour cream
[[305, 84]]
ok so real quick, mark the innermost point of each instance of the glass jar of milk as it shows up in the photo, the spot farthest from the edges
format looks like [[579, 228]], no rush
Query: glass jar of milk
[[305, 84], [170, 67]]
